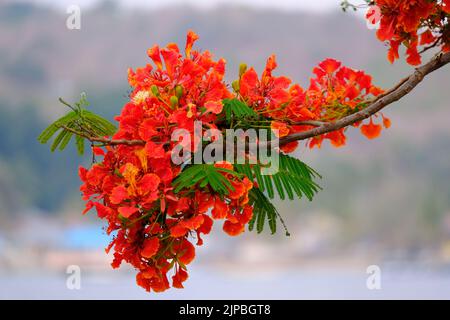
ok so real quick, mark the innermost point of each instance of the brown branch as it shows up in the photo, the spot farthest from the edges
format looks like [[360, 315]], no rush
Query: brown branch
[[311, 123], [106, 141], [396, 93], [431, 46]]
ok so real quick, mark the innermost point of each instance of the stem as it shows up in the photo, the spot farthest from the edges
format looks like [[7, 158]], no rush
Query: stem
[[105, 141]]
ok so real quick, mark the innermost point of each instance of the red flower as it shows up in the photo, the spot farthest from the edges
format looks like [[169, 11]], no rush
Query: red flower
[[118, 194], [127, 212], [371, 130], [132, 187], [191, 38], [220, 210], [154, 54], [179, 277], [280, 128], [233, 229], [329, 66], [150, 248], [214, 106], [402, 20], [185, 250]]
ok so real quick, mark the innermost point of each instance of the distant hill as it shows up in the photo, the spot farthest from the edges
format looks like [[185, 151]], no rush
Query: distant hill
[[37, 51]]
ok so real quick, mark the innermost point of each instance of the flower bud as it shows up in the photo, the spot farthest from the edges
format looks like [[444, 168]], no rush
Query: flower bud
[[242, 69], [235, 85], [173, 102], [155, 90], [179, 91]]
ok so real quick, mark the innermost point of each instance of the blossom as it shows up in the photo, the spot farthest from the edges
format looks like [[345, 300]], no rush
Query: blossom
[[150, 248], [371, 130], [132, 188], [334, 91], [404, 22]]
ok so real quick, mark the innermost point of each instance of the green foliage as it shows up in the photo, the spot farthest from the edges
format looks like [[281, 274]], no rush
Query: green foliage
[[293, 178], [80, 122], [263, 210], [235, 111], [203, 176]]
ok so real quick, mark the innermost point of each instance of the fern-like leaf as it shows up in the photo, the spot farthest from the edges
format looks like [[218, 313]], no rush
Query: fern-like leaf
[[236, 109], [203, 176], [293, 178], [79, 122]]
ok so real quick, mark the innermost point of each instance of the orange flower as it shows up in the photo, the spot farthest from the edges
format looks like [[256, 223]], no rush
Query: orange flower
[[178, 278], [214, 106], [279, 128], [205, 228], [135, 182], [426, 38], [337, 138], [386, 122], [150, 248], [289, 147], [118, 194], [233, 229], [371, 130], [149, 183], [446, 6], [127, 212], [186, 251], [220, 210], [402, 20], [329, 65], [413, 56], [191, 38], [154, 54], [184, 226]]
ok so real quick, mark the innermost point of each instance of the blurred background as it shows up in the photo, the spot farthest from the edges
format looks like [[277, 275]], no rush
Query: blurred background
[[385, 202]]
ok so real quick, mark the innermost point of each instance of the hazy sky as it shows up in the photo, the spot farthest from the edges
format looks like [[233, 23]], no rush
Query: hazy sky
[[311, 5]]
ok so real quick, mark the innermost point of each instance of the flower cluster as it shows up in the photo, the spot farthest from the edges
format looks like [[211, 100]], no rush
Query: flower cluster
[[335, 91], [415, 24], [132, 188]]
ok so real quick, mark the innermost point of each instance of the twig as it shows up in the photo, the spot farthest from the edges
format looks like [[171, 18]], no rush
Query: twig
[[105, 141], [431, 46]]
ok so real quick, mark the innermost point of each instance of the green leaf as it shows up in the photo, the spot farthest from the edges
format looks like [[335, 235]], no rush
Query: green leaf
[[55, 126], [235, 109], [260, 219], [293, 176], [65, 141], [203, 176], [79, 141], [263, 210], [62, 134], [79, 122]]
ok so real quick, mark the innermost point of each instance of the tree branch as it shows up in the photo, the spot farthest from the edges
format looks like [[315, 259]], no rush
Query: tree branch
[[106, 141], [396, 93], [311, 123], [401, 89]]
